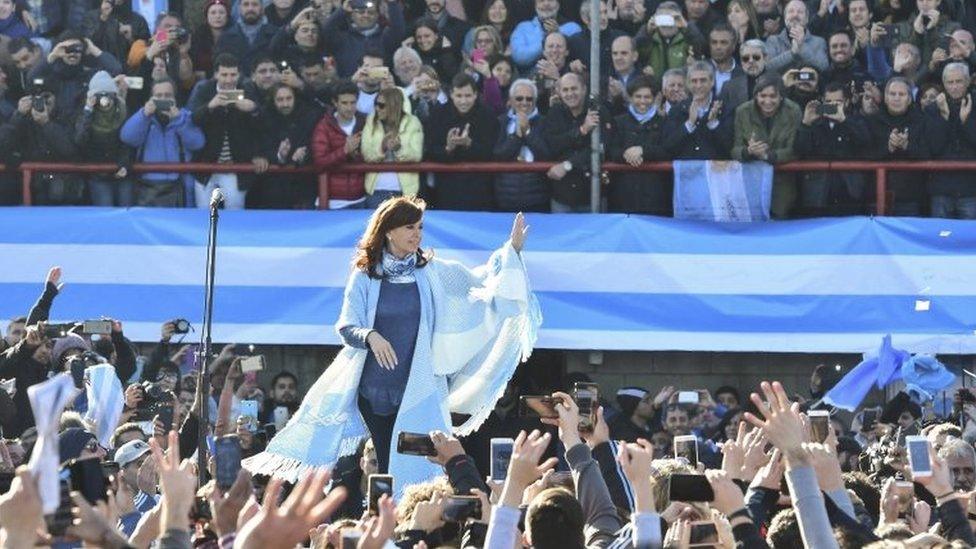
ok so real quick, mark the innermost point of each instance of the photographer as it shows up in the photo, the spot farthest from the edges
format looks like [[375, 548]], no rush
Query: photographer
[[666, 41], [97, 138], [832, 130], [68, 69], [163, 132], [36, 132], [168, 49]]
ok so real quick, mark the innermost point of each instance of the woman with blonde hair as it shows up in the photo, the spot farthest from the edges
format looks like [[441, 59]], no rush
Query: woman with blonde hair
[[391, 134], [423, 338]]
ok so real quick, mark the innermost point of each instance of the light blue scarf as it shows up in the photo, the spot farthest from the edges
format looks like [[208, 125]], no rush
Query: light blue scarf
[[642, 118], [399, 271], [525, 152]]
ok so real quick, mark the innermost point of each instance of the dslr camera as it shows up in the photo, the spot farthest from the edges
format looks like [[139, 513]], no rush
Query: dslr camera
[[181, 326], [153, 396], [74, 48]]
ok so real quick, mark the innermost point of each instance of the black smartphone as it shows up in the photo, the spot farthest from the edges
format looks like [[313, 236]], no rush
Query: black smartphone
[[378, 485], [541, 406], [165, 413], [88, 478], [110, 470], [703, 534], [827, 108], [415, 444], [6, 480], [227, 454], [270, 430], [689, 488], [460, 508], [61, 519], [586, 396], [868, 419]]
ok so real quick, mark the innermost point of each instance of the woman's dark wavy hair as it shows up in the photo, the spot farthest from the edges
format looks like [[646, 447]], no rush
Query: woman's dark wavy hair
[[392, 214]]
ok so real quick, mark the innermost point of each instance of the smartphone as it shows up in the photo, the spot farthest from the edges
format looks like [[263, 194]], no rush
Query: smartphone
[[827, 108], [350, 538], [460, 508], [249, 411], [477, 55], [819, 424], [805, 76], [688, 397], [541, 406], [165, 413], [918, 456], [906, 492], [252, 364], [664, 20], [501, 454], [227, 455], [87, 477], [703, 534], [163, 105], [280, 417], [586, 396], [689, 488], [869, 418], [377, 73], [378, 485], [232, 95], [415, 444], [100, 327], [686, 446], [110, 470], [6, 480], [134, 82], [61, 519], [161, 35]]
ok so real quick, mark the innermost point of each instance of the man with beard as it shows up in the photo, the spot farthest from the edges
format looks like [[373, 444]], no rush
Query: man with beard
[[448, 26], [952, 136], [795, 45], [68, 69], [284, 392], [961, 461], [25, 56], [265, 76], [737, 91], [249, 36], [289, 124], [528, 37], [844, 67], [461, 131], [162, 132], [351, 35]]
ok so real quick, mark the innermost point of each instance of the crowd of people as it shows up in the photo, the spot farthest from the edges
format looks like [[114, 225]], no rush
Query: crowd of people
[[321, 82], [668, 467]]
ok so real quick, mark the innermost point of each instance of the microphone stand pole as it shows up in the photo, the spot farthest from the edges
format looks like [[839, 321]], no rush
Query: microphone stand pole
[[205, 354]]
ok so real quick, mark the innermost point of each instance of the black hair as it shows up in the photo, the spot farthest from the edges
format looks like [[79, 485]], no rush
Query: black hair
[[282, 375], [261, 58], [463, 79], [344, 87], [18, 44], [226, 60], [70, 35], [642, 81], [19, 320]]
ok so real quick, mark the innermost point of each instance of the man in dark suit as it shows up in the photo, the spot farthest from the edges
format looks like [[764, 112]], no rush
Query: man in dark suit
[[700, 127], [249, 36], [752, 59]]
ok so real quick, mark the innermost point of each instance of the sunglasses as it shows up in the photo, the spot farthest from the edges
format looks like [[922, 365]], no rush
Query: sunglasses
[[523, 99], [751, 58]]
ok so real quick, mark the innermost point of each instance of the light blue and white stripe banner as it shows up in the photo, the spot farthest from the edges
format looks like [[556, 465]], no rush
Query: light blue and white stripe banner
[[604, 282]]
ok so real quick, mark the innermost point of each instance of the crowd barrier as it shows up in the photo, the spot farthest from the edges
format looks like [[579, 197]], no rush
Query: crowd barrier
[[880, 170]]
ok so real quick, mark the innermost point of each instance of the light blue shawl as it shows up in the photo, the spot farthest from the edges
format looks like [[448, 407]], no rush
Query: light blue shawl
[[479, 324]]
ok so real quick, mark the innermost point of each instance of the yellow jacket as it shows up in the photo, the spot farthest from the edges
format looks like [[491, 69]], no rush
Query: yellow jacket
[[411, 150]]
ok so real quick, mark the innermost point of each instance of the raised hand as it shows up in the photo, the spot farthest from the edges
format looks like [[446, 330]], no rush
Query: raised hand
[[783, 425], [524, 467], [520, 231]]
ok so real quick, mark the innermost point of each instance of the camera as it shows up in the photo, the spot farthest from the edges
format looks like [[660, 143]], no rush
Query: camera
[[805, 76], [105, 100], [38, 103], [827, 108], [180, 325], [163, 106], [180, 34], [283, 66], [153, 398], [74, 48], [77, 365], [52, 331]]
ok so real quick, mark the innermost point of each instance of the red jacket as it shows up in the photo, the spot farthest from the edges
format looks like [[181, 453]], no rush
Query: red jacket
[[329, 150]]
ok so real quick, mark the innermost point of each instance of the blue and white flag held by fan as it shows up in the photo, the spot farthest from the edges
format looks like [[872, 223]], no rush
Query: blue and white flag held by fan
[[712, 190], [105, 401], [47, 400], [923, 375]]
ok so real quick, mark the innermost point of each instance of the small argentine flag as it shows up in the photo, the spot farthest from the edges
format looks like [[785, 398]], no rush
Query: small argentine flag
[[714, 190]]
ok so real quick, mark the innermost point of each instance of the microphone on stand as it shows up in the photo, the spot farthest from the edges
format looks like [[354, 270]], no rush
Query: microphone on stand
[[216, 198]]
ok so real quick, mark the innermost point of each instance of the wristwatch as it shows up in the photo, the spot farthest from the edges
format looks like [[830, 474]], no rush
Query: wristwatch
[[567, 165]]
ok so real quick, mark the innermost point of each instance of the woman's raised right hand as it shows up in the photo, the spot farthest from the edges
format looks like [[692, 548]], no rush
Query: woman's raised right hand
[[384, 352]]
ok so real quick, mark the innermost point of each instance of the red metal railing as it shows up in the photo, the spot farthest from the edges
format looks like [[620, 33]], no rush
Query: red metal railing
[[880, 170]]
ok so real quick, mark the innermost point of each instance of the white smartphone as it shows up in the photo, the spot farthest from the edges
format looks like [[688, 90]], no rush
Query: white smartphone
[[688, 397], [664, 20], [819, 424], [686, 446], [501, 454], [280, 417], [918, 456], [134, 82], [252, 363]]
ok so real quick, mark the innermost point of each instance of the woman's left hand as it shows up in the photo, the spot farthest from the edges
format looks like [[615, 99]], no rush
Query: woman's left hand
[[519, 231]]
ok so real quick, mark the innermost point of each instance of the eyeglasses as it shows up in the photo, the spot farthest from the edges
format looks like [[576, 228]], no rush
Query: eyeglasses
[[380, 105], [751, 58], [523, 99]]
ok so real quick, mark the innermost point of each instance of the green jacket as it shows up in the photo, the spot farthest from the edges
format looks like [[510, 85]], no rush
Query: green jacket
[[928, 42], [779, 134], [661, 56]]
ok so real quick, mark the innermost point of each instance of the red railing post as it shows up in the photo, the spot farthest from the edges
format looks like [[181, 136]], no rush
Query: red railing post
[[881, 188], [26, 175], [323, 180]]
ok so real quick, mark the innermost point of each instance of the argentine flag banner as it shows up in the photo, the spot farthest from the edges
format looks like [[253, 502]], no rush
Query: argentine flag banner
[[611, 282], [718, 190]]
